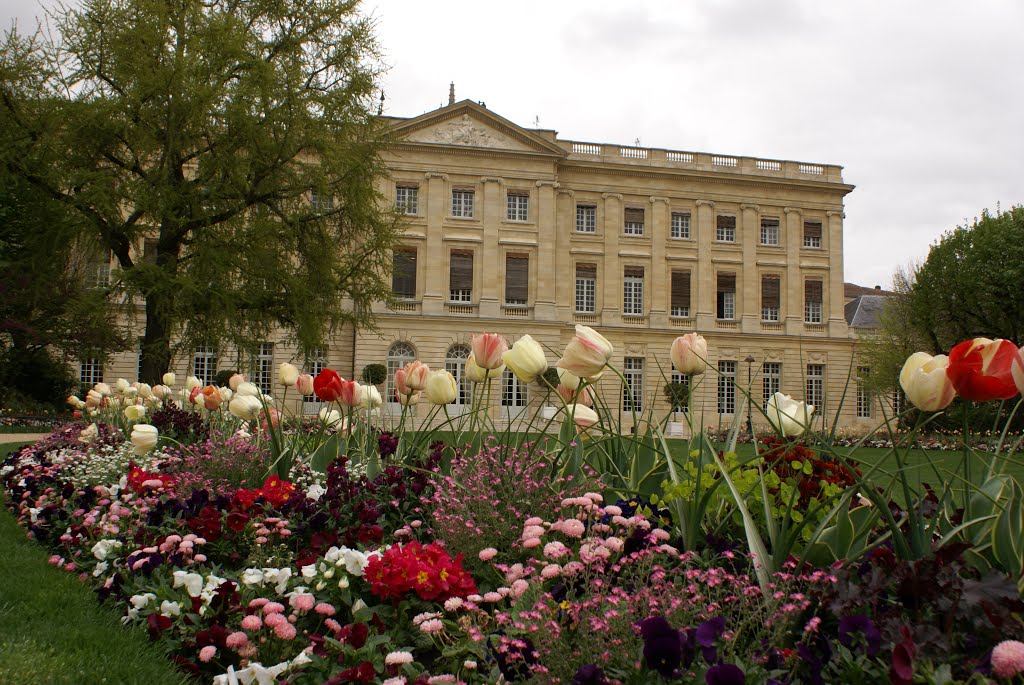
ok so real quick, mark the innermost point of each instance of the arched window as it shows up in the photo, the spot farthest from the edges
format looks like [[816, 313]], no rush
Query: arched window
[[455, 364], [400, 354]]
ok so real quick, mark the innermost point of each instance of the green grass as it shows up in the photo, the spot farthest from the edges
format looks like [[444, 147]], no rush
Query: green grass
[[53, 631]]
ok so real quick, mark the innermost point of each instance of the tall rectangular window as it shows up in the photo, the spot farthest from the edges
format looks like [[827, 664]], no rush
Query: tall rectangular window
[[403, 273], [586, 288], [90, 372], [517, 206], [771, 381], [513, 390], [725, 229], [812, 301], [633, 291], [149, 250], [455, 364], [634, 221], [316, 363], [407, 199], [680, 294], [586, 218], [680, 229], [263, 376], [726, 387], [812, 234], [460, 277], [101, 273], [517, 279], [771, 297], [897, 400], [462, 203], [769, 231], [680, 400], [863, 396], [633, 372], [726, 309], [816, 387], [321, 203], [204, 364]]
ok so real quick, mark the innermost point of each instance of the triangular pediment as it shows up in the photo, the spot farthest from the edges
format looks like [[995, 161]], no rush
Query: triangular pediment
[[468, 124]]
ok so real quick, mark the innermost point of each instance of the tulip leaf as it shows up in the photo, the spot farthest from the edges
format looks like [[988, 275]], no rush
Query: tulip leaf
[[325, 454]]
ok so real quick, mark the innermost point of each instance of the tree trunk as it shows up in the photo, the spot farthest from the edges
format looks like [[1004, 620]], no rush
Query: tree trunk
[[156, 342]]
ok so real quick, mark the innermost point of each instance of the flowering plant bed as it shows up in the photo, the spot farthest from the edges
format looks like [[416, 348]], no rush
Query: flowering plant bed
[[262, 549]]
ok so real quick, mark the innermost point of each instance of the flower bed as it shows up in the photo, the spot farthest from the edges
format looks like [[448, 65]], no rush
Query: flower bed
[[264, 550]]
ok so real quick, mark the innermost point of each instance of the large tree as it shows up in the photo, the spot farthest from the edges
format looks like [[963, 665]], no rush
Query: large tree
[[224, 151]]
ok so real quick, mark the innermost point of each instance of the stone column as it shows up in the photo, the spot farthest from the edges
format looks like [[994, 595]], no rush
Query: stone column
[[435, 261], [794, 286], [611, 278], [548, 259], [750, 234], [703, 278], [834, 295], [565, 283], [659, 279], [487, 268]]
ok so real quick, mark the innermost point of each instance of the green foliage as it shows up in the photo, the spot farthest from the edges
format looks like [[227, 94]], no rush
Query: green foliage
[[677, 395], [224, 152], [223, 377], [374, 374], [33, 377]]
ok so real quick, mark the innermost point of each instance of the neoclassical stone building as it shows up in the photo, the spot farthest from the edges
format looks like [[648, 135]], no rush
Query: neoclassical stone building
[[516, 230]]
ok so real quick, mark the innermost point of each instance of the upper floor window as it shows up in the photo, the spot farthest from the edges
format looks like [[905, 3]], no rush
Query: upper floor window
[[771, 298], [101, 274], [586, 288], [812, 301], [403, 273], [321, 202], [633, 291], [680, 305], [769, 231], [517, 206], [517, 280], [460, 276], [725, 229], [462, 203], [812, 234], [586, 218], [680, 229], [407, 199], [726, 304], [149, 250], [634, 221]]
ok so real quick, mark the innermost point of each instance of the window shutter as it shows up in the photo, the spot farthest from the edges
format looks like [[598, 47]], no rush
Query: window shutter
[[770, 292], [812, 229], [812, 291], [586, 271], [727, 282], [726, 222], [149, 246], [403, 279], [517, 277], [680, 288], [461, 277], [634, 215], [634, 272]]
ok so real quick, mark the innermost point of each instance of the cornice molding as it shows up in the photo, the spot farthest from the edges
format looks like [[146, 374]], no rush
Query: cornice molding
[[492, 179], [793, 210], [553, 184], [705, 203]]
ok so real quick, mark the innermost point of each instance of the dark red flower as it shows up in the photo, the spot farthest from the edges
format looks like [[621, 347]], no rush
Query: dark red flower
[[236, 521], [980, 369], [157, 623], [327, 385], [901, 672]]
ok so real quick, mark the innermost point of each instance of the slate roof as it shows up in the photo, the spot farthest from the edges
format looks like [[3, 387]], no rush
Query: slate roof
[[863, 311]]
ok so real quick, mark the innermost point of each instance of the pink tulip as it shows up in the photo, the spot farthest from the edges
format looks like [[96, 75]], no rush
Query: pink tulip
[[488, 349], [690, 354], [304, 384], [211, 397], [587, 354], [416, 373], [351, 393]]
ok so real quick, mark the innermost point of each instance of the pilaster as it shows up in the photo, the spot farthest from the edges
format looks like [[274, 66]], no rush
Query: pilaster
[[794, 286], [547, 254], [703, 279], [835, 295], [750, 235], [435, 261], [565, 286], [611, 279], [488, 269], [660, 283]]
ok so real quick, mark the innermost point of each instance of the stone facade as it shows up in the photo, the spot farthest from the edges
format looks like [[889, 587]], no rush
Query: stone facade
[[516, 231]]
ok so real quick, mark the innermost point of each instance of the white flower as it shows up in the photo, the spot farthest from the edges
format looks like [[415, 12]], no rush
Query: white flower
[[89, 434], [790, 417], [245, 407], [315, 491], [252, 576], [141, 601], [248, 389], [279, 576], [193, 582], [168, 378], [102, 549], [134, 412], [100, 569], [144, 437], [169, 608]]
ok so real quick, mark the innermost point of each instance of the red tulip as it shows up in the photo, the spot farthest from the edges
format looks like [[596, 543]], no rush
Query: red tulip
[[327, 385], [351, 393], [981, 369]]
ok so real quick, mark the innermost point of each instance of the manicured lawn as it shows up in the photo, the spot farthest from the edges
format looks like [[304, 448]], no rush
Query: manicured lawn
[[53, 631]]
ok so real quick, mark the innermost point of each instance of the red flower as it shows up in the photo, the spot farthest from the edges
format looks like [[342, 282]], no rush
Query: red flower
[[428, 571], [980, 369], [327, 385], [236, 521], [277, 491]]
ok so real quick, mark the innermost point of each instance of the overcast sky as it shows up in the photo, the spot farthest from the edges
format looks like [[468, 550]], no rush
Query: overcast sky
[[922, 101]]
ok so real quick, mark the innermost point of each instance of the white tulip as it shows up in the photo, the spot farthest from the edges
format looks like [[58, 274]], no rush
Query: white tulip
[[144, 437], [790, 417]]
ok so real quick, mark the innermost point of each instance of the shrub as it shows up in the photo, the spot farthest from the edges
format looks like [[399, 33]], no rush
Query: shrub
[[374, 374]]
